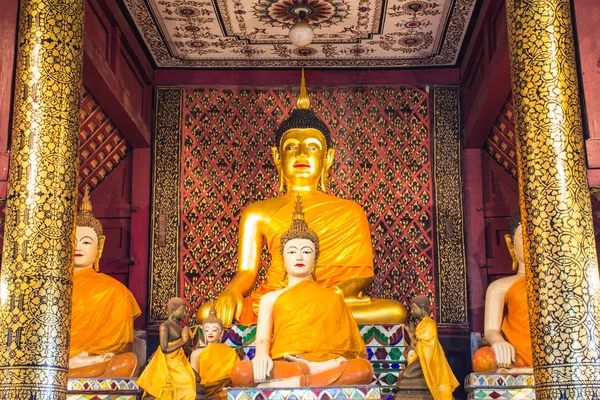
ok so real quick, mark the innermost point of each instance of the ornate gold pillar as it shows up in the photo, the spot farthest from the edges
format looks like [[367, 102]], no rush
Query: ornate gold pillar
[[36, 276], [562, 269]]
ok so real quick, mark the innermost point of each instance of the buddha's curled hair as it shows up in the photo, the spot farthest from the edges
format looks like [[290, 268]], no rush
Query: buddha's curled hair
[[303, 119]]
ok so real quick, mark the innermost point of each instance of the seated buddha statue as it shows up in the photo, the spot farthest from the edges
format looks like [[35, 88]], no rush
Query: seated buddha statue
[[214, 362], [302, 157], [169, 374], [305, 335], [506, 312], [103, 309]]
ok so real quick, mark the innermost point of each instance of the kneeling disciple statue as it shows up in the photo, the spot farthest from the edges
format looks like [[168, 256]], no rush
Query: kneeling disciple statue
[[429, 363], [305, 335], [103, 309], [214, 362], [169, 374]]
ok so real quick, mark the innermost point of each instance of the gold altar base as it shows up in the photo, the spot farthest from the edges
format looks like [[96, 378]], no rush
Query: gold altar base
[[500, 386], [413, 394], [103, 389]]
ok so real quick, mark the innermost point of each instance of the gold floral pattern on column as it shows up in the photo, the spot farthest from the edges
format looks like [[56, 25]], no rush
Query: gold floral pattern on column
[[36, 277], [562, 269]]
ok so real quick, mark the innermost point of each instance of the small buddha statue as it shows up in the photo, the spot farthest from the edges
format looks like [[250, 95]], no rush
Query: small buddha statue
[[169, 371], [506, 325], [306, 335], [215, 361], [428, 364], [103, 309], [303, 156]]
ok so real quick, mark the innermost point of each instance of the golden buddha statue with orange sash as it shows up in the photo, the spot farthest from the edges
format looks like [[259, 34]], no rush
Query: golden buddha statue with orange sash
[[214, 362], [506, 312], [303, 156], [103, 309]]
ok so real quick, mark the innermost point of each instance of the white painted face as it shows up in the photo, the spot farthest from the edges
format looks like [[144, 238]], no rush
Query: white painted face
[[212, 332], [518, 245], [299, 257], [86, 247]]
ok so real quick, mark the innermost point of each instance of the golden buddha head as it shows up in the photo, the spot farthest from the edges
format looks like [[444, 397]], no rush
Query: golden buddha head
[[419, 306], [212, 327], [89, 237], [177, 308], [303, 154], [514, 240], [299, 245]]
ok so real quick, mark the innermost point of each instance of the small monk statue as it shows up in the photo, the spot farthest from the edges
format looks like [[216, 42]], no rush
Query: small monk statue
[[305, 336], [303, 156], [508, 332], [169, 370], [429, 361], [103, 309], [215, 361]]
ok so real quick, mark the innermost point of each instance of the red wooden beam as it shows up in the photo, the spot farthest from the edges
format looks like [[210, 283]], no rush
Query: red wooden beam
[[433, 76], [8, 40]]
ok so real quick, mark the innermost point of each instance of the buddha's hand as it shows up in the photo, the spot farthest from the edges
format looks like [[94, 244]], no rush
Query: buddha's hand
[[229, 305], [505, 353], [185, 334], [108, 356], [262, 366]]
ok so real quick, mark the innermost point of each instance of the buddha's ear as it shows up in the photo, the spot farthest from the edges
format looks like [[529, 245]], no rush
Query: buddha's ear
[[101, 240], [330, 157], [511, 250], [277, 161]]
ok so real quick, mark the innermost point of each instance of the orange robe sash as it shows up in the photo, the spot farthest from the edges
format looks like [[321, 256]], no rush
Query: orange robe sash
[[102, 314], [215, 362], [515, 325], [438, 374], [314, 322], [346, 251]]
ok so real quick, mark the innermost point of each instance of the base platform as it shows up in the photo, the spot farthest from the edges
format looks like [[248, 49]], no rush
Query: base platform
[[103, 389], [499, 386], [339, 392]]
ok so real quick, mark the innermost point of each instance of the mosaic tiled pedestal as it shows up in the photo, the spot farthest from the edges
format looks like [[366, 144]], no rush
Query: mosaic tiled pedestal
[[340, 392], [103, 389], [499, 386], [385, 344]]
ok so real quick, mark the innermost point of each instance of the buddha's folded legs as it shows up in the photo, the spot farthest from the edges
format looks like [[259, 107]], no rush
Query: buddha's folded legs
[[121, 366], [357, 371]]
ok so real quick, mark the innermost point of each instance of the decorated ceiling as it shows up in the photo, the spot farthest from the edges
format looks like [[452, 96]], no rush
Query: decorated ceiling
[[348, 33]]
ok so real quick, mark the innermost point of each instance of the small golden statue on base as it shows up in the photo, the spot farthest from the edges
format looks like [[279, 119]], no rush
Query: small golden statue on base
[[427, 367], [169, 375], [306, 335], [215, 361], [103, 309]]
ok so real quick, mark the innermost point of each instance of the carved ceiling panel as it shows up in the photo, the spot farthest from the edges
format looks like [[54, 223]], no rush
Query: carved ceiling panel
[[348, 33]]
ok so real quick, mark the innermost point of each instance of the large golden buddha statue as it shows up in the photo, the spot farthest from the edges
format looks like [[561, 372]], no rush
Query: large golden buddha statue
[[303, 156], [103, 309]]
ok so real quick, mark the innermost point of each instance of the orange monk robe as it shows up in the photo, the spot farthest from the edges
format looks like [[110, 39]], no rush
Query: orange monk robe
[[103, 314], [175, 365], [315, 323], [438, 374], [346, 250], [515, 325], [215, 362]]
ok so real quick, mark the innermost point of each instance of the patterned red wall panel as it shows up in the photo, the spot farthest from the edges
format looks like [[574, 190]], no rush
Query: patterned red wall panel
[[102, 146], [384, 148], [501, 142]]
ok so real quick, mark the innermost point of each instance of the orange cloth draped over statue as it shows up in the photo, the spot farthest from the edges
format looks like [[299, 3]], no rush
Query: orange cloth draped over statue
[[315, 323], [515, 325], [103, 314], [345, 245], [438, 374], [215, 362], [175, 365]]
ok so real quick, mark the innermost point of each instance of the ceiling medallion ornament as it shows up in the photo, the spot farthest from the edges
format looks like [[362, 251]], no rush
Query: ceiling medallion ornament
[[347, 33]]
